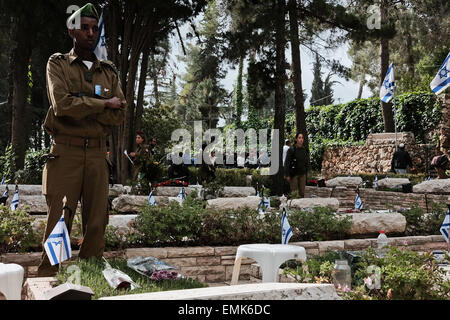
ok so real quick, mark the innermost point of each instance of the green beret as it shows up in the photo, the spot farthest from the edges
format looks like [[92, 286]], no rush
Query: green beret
[[86, 11]]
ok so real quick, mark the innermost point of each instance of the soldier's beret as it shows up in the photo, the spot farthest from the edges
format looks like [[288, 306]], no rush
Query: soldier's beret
[[86, 11]]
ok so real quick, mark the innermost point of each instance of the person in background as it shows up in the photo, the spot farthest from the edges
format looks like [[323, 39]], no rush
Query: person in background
[[287, 145], [152, 145], [401, 160], [440, 162], [207, 172], [297, 165], [178, 171], [140, 155]]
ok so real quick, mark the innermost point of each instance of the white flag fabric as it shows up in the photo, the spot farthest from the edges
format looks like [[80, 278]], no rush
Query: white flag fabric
[[15, 201], [151, 199], [446, 225], [375, 183], [182, 194], [3, 180], [388, 85], [57, 245], [100, 47], [5, 194], [358, 202], [442, 79], [286, 231]]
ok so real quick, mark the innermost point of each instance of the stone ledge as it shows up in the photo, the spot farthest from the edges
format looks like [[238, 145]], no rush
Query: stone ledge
[[255, 291]]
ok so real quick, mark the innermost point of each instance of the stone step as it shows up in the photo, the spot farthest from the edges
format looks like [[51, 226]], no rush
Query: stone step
[[254, 291]]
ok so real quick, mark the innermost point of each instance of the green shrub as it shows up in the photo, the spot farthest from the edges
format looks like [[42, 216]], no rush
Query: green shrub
[[419, 223], [404, 275], [7, 165], [322, 224], [34, 164], [16, 232], [316, 269], [172, 224]]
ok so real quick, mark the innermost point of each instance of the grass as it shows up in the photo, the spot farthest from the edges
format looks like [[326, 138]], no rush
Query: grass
[[91, 276]]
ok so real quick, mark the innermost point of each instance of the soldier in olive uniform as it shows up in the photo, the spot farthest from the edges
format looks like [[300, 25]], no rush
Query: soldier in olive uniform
[[86, 101], [141, 154], [297, 165]]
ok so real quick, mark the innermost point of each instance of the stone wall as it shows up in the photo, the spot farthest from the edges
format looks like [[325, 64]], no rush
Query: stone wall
[[215, 264], [376, 154], [376, 200]]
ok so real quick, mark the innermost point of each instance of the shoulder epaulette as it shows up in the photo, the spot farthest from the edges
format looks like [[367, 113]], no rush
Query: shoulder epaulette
[[56, 56], [111, 65]]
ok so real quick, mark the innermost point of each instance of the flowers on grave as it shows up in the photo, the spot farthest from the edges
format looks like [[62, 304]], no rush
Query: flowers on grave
[[159, 275]]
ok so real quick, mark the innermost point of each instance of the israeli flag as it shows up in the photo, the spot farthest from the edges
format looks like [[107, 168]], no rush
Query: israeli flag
[[286, 231], [442, 80], [3, 180], [57, 245], [151, 199], [375, 183], [388, 85], [15, 201], [100, 47], [265, 203], [358, 202], [182, 194], [446, 225], [428, 178], [5, 194]]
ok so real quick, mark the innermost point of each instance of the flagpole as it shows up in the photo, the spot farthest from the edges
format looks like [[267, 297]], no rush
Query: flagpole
[[61, 245]]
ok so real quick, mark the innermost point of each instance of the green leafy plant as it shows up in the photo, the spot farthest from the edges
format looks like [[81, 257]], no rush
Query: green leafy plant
[[420, 223], [16, 232], [404, 275], [321, 224]]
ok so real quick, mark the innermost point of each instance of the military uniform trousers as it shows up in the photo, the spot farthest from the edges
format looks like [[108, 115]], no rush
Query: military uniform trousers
[[79, 173], [298, 183]]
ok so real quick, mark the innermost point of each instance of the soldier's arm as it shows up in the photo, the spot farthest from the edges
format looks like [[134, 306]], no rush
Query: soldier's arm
[[114, 117], [63, 102]]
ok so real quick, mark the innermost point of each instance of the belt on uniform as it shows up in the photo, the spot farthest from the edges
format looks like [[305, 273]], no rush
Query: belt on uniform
[[79, 142]]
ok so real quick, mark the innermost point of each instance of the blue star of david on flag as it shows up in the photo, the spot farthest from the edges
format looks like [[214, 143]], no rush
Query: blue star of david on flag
[[388, 86], [446, 225], [358, 202], [57, 246], [442, 79], [286, 231]]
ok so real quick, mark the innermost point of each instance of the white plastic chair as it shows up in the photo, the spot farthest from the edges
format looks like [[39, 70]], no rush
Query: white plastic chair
[[11, 279], [268, 256]]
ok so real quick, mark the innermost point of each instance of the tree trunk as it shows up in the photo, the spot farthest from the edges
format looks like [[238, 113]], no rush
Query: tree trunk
[[388, 116], [361, 87], [409, 52], [300, 117], [280, 96], [141, 90], [19, 64]]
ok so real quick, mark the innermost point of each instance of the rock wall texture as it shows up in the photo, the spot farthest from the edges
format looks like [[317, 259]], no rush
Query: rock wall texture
[[376, 154]]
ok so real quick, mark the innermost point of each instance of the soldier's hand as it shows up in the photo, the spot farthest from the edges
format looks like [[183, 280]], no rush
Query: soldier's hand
[[113, 103]]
